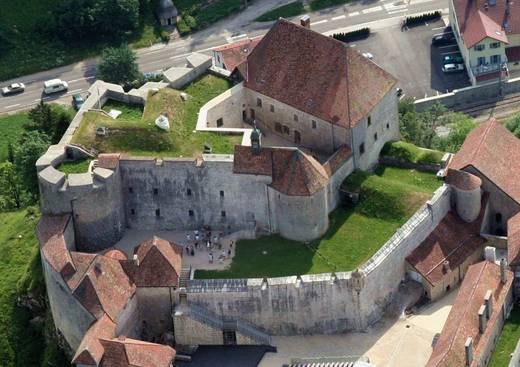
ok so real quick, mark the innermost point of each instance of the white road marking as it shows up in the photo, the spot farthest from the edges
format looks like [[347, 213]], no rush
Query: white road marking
[[11, 106], [449, 53], [397, 11], [239, 36], [372, 10], [319, 22], [454, 45], [353, 14], [339, 17], [437, 28], [80, 79], [394, 7], [402, 96], [420, 1]]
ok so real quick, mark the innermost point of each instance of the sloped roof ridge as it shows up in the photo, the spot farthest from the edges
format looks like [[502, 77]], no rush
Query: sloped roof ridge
[[488, 127], [461, 243], [87, 269]]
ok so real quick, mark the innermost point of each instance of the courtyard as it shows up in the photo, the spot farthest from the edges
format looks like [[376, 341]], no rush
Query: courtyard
[[135, 133]]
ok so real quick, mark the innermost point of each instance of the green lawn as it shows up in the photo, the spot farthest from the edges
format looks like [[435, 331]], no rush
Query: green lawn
[[79, 166], [284, 11], [11, 127], [35, 51], [198, 14], [389, 197], [507, 342], [21, 343], [136, 134], [412, 153]]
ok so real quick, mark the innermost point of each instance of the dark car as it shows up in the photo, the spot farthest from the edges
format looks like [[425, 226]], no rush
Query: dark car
[[443, 39], [77, 101], [452, 59]]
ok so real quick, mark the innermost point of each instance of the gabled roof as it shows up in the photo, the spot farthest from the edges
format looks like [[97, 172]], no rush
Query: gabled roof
[[90, 351], [293, 172], [236, 53], [453, 240], [463, 320], [126, 352], [495, 152], [462, 180], [315, 74], [480, 26], [160, 263], [513, 240]]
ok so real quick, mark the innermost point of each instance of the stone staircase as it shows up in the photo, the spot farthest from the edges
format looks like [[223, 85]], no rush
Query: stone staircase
[[184, 277]]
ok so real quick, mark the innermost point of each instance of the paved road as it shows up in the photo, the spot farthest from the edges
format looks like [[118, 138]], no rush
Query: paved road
[[376, 14]]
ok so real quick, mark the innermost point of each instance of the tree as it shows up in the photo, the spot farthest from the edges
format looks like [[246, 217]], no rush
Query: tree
[[31, 145], [12, 191], [42, 118], [513, 125], [10, 152], [61, 124], [118, 65], [460, 125]]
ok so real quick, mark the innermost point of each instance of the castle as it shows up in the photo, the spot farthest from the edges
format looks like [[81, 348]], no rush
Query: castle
[[333, 110]]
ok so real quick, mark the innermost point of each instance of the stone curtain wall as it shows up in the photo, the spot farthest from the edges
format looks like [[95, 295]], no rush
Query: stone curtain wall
[[323, 303]]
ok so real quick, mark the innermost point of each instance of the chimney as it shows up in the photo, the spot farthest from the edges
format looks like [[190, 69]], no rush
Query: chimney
[[482, 320], [488, 302], [136, 260], [468, 347], [502, 271], [305, 21]]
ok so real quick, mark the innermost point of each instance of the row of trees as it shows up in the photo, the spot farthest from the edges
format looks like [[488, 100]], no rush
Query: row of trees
[[18, 180], [89, 19], [420, 128]]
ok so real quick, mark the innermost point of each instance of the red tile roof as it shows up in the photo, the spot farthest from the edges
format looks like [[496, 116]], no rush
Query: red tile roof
[[315, 74], [495, 152], [104, 287], [108, 160], [513, 240], [463, 320], [293, 172], [337, 159], [50, 225], [453, 240], [236, 53], [462, 180], [476, 22], [90, 351], [116, 254], [126, 352], [160, 263], [513, 54]]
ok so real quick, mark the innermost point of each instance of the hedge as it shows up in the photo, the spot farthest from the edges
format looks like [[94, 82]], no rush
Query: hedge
[[352, 36], [411, 153], [420, 19]]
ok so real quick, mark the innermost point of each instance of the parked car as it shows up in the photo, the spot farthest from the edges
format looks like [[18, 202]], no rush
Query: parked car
[[54, 86], [399, 92], [453, 68], [77, 101], [452, 59], [443, 39], [13, 89], [368, 55]]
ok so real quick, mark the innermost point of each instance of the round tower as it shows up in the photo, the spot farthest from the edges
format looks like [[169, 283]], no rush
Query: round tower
[[467, 193]]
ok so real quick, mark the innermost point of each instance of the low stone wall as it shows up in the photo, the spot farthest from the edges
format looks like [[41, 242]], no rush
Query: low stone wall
[[337, 302], [178, 77], [460, 98], [402, 163]]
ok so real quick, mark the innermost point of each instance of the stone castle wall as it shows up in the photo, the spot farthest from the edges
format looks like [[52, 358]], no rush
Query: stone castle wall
[[337, 302]]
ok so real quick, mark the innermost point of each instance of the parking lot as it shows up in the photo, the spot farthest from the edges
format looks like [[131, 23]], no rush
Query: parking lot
[[411, 58]]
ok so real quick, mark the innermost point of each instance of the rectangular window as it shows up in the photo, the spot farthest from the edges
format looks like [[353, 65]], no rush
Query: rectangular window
[[278, 127], [361, 148], [157, 212], [481, 60], [369, 120], [387, 126], [494, 45], [132, 211], [295, 117], [480, 47], [272, 108], [220, 122], [131, 190], [258, 102], [223, 213], [221, 193], [188, 192], [156, 191], [190, 213], [375, 137], [495, 59], [285, 129], [314, 124]]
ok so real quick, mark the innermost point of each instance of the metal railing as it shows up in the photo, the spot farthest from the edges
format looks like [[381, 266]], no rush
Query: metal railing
[[487, 68]]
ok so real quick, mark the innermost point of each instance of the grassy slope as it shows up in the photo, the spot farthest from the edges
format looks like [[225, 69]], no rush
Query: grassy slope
[[388, 198], [34, 52], [11, 127], [139, 136], [507, 342], [412, 153]]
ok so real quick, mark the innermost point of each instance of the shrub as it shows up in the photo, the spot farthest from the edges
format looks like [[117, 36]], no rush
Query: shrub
[[420, 19], [182, 27], [165, 36], [411, 153], [191, 21], [513, 125], [352, 36]]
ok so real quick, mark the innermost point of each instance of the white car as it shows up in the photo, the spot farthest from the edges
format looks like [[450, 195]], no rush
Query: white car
[[13, 89], [453, 68], [368, 55], [54, 86]]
